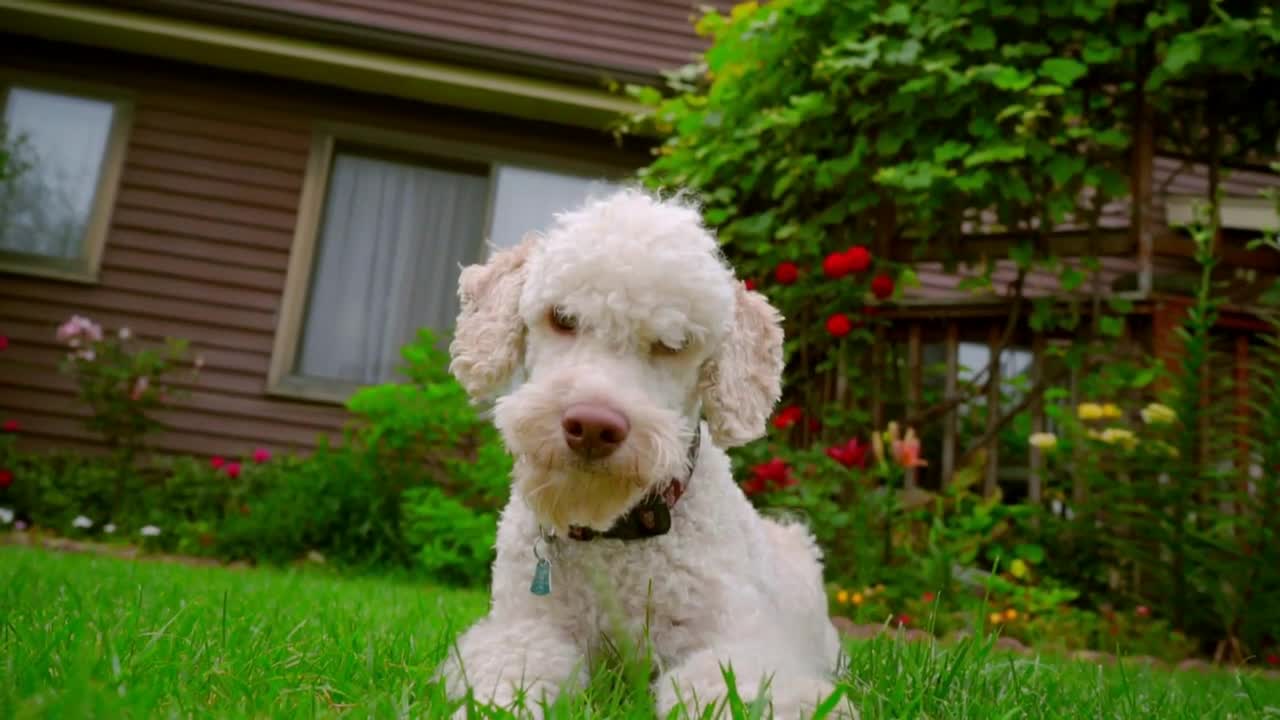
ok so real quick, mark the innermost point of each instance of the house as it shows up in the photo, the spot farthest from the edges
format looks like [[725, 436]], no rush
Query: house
[[290, 185]]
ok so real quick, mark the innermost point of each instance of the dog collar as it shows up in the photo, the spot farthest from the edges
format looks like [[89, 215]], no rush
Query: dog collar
[[650, 517]]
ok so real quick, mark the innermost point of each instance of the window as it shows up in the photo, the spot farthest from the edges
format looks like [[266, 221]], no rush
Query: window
[[386, 223], [63, 153]]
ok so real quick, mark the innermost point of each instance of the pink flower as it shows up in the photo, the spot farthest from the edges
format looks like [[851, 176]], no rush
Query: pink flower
[[11, 426], [232, 469], [217, 462], [1143, 611], [139, 387], [906, 452], [77, 328], [261, 455]]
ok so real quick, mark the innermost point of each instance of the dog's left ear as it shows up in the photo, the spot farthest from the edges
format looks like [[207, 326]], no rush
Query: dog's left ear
[[488, 340], [743, 379]]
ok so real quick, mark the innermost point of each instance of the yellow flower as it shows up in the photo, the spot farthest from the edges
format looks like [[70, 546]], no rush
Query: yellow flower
[[1010, 614], [1089, 411], [1043, 441], [842, 597], [1119, 436], [1111, 411], [857, 598], [995, 618], [1157, 414], [1018, 568]]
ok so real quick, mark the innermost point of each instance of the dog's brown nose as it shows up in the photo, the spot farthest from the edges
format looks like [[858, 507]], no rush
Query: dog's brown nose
[[594, 431]]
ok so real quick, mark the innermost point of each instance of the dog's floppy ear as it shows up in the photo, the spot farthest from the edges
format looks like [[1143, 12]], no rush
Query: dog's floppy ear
[[743, 379], [488, 340]]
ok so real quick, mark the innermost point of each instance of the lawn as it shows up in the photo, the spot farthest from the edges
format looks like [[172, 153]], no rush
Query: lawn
[[92, 637]]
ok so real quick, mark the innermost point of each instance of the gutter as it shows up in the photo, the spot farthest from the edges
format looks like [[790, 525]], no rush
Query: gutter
[[281, 56]]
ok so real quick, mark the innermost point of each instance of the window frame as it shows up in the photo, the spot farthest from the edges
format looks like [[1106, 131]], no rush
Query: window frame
[[327, 138], [86, 268]]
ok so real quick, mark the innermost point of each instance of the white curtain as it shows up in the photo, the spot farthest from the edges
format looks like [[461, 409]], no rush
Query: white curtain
[[392, 240], [526, 200], [56, 145]]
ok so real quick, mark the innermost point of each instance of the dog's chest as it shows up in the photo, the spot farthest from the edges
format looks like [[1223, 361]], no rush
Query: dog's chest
[[651, 588]]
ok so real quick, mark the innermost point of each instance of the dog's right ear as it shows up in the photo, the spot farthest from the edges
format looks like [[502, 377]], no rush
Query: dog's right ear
[[488, 340]]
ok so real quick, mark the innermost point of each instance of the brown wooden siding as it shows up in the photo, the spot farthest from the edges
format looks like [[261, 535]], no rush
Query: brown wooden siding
[[200, 238], [623, 38]]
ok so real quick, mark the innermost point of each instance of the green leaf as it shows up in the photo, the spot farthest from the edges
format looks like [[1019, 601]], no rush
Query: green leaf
[[1070, 278], [1111, 326], [1063, 71], [1011, 78], [1120, 305], [1183, 51], [898, 14], [1033, 554], [1143, 378], [981, 39], [1001, 152]]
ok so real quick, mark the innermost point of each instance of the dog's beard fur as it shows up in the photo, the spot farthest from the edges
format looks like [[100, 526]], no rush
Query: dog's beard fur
[[563, 489]]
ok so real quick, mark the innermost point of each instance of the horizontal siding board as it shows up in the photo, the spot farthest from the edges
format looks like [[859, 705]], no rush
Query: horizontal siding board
[[34, 407], [126, 303], [638, 36], [179, 182], [220, 296], [158, 221], [232, 172], [207, 271], [200, 335], [174, 141], [188, 206], [267, 261], [224, 130]]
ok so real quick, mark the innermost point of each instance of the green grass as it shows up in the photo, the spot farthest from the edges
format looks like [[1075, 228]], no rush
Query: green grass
[[91, 637]]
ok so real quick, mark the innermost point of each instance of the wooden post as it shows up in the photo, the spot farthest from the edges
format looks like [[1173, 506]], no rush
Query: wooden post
[[1142, 222], [915, 378], [991, 482], [952, 350], [1035, 479]]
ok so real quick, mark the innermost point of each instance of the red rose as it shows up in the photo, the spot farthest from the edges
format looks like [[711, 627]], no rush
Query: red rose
[[788, 416], [6, 478], [261, 455], [4, 342], [838, 325], [858, 258], [232, 469], [1142, 611], [786, 273], [882, 286], [753, 486], [749, 284], [851, 454], [217, 461], [904, 620], [836, 266], [11, 426], [928, 597], [1273, 659]]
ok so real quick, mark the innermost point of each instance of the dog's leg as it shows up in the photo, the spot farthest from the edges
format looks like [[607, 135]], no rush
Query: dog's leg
[[504, 660], [793, 691]]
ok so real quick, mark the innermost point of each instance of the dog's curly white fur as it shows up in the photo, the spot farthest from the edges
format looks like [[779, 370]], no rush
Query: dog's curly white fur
[[664, 334]]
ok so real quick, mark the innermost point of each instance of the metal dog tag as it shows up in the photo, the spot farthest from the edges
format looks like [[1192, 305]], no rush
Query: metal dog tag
[[541, 585]]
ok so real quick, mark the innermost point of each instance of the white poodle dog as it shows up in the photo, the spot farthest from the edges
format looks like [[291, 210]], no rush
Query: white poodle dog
[[607, 342]]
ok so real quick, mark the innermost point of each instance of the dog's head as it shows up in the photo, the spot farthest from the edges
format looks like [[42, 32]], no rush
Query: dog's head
[[603, 341]]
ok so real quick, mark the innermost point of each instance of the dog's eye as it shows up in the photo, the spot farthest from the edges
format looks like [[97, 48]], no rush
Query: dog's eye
[[561, 320], [662, 348]]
